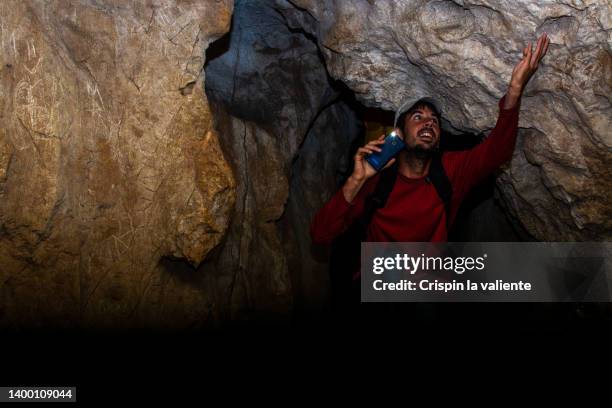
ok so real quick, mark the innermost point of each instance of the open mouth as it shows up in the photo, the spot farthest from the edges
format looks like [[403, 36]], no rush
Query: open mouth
[[426, 135]]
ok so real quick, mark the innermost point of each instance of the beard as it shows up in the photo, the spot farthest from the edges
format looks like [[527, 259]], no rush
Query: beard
[[421, 152]]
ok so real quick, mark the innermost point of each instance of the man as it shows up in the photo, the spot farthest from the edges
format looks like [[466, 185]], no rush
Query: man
[[414, 210]]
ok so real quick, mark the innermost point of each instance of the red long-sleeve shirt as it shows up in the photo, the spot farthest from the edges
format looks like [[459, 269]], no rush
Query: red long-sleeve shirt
[[414, 211]]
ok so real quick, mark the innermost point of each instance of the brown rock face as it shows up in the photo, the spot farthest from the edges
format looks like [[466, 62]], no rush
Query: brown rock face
[[118, 207], [558, 186], [108, 160], [130, 197]]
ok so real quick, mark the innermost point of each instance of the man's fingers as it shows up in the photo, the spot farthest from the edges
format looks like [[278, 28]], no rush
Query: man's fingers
[[365, 150], [534, 55], [542, 51], [528, 55], [390, 163], [374, 144], [540, 47], [545, 48]]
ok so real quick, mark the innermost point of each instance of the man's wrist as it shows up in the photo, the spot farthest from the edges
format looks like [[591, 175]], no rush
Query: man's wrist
[[515, 90], [352, 187], [513, 95], [355, 181]]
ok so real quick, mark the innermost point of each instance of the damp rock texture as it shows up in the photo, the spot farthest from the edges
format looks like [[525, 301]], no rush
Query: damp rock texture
[[286, 132], [109, 162], [462, 52]]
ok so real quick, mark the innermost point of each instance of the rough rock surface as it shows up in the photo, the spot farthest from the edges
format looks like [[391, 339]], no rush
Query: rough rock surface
[[558, 185], [121, 205], [286, 135], [108, 160]]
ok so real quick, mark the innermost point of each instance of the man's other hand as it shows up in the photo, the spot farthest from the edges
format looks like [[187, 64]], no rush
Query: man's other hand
[[363, 170]]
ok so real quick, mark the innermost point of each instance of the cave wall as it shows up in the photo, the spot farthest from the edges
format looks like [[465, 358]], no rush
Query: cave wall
[[557, 186], [108, 161], [127, 200], [286, 132], [139, 187]]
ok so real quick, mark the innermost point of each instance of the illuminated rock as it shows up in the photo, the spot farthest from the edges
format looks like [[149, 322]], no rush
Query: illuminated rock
[[108, 159]]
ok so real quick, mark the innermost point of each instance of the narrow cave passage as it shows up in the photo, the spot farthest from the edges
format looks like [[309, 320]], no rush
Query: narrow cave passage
[[290, 132]]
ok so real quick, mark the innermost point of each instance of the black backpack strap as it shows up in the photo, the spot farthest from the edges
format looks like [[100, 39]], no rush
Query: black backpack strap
[[378, 199], [438, 177]]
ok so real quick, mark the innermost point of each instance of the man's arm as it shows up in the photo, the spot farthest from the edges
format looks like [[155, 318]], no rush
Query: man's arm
[[481, 161], [349, 202], [512, 98], [476, 164], [338, 213]]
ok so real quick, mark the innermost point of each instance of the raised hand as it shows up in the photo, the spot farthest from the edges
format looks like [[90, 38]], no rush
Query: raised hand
[[524, 70], [529, 64]]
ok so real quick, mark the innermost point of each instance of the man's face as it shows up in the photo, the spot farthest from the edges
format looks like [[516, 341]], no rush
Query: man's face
[[422, 130]]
